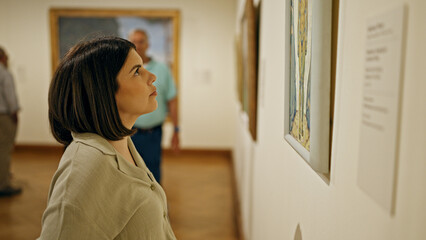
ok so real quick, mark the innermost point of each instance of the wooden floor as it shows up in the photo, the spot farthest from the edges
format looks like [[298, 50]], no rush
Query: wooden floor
[[198, 187]]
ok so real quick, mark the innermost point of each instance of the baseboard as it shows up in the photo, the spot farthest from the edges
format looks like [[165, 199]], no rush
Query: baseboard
[[39, 148], [60, 149], [237, 205], [188, 151]]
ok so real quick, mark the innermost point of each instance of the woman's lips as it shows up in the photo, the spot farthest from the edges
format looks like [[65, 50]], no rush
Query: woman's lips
[[154, 93]]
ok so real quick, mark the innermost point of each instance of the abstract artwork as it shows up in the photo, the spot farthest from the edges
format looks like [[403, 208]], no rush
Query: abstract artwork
[[309, 80], [300, 77]]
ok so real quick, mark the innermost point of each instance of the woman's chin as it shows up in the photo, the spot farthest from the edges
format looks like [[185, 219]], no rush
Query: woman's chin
[[152, 109]]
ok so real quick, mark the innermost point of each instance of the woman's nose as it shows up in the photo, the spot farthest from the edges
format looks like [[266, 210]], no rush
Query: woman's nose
[[153, 78]]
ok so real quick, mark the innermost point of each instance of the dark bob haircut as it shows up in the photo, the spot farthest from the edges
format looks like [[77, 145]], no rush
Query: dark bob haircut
[[82, 91]]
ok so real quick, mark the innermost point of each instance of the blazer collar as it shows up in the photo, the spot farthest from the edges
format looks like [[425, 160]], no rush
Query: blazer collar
[[96, 141], [140, 171]]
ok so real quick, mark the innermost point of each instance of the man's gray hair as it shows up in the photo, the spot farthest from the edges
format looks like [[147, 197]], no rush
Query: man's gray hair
[[138, 30]]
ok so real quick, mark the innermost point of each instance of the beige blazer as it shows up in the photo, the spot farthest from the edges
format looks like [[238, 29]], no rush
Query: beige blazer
[[97, 194]]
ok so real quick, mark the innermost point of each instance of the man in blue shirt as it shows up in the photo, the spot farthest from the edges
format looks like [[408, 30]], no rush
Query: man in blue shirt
[[8, 123], [147, 140]]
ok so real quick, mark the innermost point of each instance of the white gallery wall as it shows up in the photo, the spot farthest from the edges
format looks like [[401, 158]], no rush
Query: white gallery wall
[[278, 190], [206, 74]]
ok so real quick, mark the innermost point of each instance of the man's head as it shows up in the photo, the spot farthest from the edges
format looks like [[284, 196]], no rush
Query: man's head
[[3, 57], [140, 38]]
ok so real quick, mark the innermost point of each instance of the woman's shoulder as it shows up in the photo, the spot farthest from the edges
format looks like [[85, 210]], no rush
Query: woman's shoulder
[[86, 162], [89, 182], [83, 174]]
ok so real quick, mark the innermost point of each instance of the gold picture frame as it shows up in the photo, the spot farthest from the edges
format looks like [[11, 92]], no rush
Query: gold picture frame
[[248, 60], [129, 19]]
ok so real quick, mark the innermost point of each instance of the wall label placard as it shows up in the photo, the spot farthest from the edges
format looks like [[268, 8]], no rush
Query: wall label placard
[[382, 82]]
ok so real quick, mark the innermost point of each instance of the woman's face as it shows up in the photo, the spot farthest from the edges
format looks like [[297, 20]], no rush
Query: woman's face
[[136, 93]]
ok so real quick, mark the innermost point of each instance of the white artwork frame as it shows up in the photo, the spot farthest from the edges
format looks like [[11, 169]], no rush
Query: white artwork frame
[[314, 145]]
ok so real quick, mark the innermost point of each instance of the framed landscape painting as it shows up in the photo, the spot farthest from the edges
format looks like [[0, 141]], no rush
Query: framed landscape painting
[[309, 80], [69, 26]]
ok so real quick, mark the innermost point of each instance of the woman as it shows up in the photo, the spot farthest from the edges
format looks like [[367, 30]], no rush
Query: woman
[[102, 188]]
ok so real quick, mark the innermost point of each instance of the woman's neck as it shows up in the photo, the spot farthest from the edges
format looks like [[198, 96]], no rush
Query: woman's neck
[[123, 148]]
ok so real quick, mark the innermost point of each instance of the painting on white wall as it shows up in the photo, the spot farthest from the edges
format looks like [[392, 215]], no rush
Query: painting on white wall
[[308, 80], [69, 26], [248, 60], [300, 77]]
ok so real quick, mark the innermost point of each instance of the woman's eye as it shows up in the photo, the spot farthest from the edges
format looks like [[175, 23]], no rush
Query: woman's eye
[[137, 72]]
